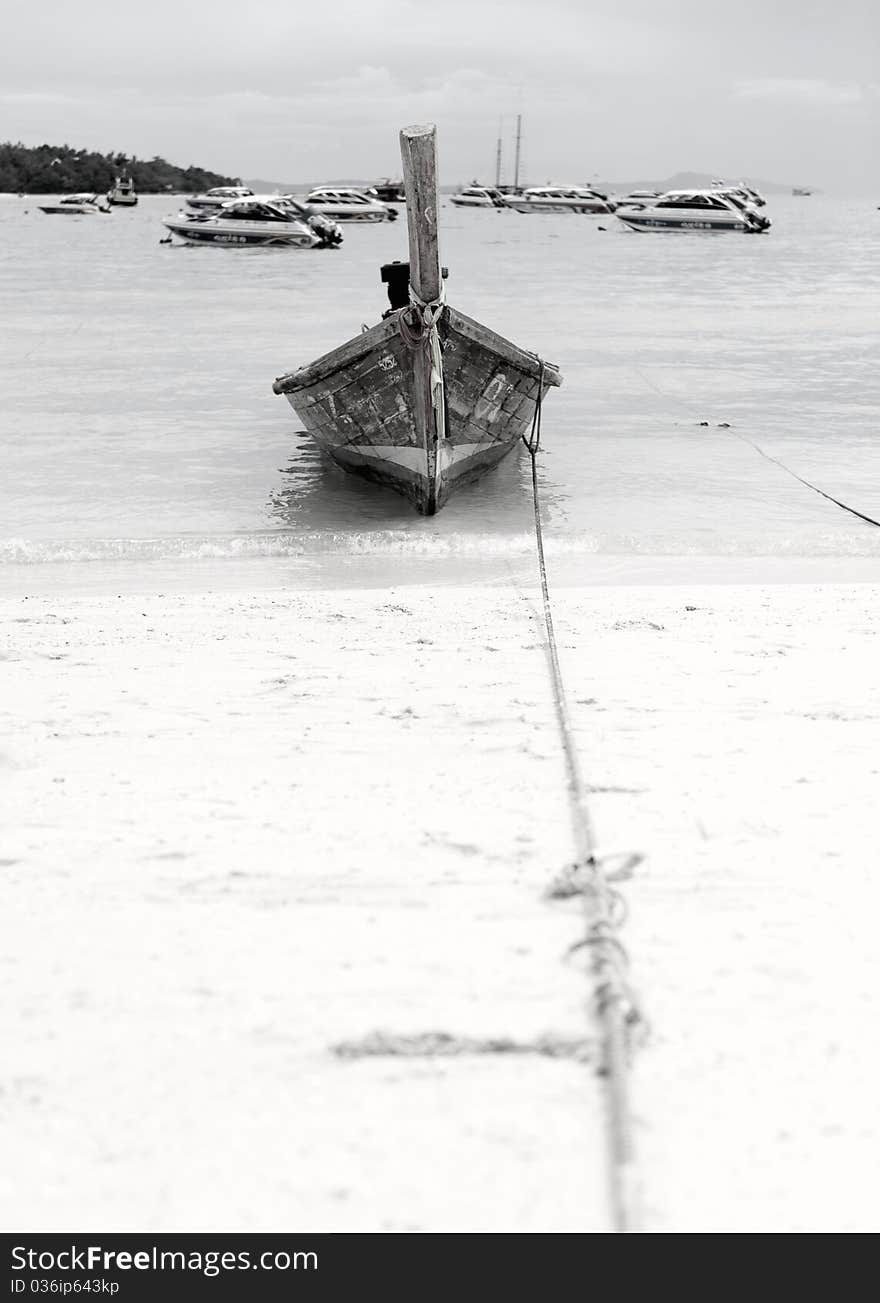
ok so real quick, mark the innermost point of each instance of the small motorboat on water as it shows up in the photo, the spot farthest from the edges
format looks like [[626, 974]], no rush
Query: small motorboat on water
[[257, 223], [387, 191], [560, 199], [428, 399], [693, 210], [637, 197], [219, 195], [122, 193], [346, 204], [479, 196], [76, 205]]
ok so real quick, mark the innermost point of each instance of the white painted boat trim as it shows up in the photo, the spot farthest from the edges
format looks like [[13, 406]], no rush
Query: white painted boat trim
[[413, 459]]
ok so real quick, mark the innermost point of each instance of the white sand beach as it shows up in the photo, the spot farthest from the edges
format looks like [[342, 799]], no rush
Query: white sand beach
[[247, 826]]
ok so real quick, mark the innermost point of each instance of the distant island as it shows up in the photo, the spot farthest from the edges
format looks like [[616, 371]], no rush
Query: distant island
[[680, 181], [58, 169], [698, 181]]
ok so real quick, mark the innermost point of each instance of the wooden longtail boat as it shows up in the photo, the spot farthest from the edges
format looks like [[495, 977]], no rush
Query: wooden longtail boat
[[428, 399]]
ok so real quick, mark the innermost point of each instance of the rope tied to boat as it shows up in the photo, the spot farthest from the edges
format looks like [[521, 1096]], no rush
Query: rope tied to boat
[[418, 329], [616, 1014]]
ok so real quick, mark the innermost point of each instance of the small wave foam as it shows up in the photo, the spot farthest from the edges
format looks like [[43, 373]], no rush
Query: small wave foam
[[21, 551], [429, 545]]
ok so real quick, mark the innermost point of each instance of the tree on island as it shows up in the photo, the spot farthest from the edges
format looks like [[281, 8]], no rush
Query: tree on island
[[60, 169]]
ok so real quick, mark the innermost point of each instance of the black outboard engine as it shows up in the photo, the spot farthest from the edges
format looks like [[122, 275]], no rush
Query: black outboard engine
[[330, 232], [396, 276], [758, 221]]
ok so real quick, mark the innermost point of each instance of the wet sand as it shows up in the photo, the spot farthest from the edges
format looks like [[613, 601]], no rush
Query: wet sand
[[244, 828]]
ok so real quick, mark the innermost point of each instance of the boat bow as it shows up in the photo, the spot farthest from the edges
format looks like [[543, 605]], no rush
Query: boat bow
[[428, 399]]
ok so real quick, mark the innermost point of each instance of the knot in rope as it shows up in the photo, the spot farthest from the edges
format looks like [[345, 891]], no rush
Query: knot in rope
[[429, 306], [416, 322]]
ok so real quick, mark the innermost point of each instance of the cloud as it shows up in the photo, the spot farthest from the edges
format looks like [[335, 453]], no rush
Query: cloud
[[617, 87], [36, 97], [801, 90], [205, 46]]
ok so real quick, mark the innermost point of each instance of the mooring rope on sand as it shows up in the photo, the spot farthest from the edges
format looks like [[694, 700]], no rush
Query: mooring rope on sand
[[615, 1011]]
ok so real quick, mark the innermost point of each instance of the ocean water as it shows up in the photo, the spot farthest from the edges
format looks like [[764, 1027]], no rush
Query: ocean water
[[138, 420]]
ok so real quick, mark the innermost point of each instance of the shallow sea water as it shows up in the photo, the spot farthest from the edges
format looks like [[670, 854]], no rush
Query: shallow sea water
[[139, 422]]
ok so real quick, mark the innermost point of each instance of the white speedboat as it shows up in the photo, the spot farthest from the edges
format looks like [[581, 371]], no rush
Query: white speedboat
[[479, 196], [693, 210], [219, 195], [560, 199], [76, 205], [346, 204], [256, 223], [122, 194]]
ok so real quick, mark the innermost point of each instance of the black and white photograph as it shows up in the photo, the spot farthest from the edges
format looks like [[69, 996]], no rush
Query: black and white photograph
[[440, 603]]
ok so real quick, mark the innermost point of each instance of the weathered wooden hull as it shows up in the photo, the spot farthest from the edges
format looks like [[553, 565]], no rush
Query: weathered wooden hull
[[369, 404]]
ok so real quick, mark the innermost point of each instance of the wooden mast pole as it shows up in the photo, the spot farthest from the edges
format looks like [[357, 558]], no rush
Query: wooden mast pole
[[418, 151]]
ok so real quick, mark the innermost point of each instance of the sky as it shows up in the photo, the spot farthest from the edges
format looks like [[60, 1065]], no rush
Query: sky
[[780, 90]]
